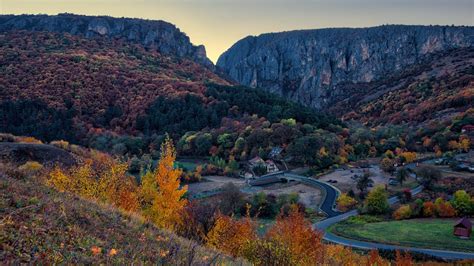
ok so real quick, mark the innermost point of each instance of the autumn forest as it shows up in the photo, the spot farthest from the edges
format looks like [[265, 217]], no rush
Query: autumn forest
[[115, 148]]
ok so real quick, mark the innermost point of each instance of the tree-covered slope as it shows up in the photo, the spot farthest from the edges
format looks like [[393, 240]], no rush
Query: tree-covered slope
[[89, 83], [92, 90], [439, 89]]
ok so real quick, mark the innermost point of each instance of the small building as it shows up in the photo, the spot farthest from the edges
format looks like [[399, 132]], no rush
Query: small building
[[256, 161], [467, 129], [463, 228], [271, 166]]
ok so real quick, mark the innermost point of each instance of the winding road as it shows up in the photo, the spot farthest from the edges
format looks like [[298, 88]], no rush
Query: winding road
[[335, 216]]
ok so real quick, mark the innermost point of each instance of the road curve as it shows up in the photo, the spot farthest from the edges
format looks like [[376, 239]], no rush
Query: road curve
[[328, 236], [335, 216], [331, 193]]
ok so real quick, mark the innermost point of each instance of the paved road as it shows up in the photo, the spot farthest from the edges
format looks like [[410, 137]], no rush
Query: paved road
[[335, 216], [331, 193]]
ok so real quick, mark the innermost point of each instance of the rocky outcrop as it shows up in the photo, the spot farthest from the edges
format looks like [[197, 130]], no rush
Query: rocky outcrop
[[159, 35], [316, 67]]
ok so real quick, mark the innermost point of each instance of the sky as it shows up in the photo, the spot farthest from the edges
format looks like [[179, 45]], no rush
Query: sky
[[218, 24]]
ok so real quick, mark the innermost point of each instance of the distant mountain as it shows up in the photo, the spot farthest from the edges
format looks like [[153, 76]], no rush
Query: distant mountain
[[154, 34], [320, 68]]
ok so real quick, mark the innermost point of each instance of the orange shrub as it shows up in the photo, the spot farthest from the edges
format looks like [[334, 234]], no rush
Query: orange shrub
[[231, 236], [28, 140], [403, 212], [445, 210], [428, 209], [403, 260], [62, 144], [408, 156], [297, 234], [30, 167], [345, 202]]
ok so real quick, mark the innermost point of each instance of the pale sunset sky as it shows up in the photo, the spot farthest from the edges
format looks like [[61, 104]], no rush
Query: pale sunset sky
[[220, 23]]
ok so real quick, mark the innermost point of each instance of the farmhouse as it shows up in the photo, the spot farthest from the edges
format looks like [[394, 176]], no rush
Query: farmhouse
[[271, 166], [256, 161], [467, 129], [463, 228]]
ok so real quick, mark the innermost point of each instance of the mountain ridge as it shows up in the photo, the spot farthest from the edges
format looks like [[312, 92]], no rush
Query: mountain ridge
[[159, 35]]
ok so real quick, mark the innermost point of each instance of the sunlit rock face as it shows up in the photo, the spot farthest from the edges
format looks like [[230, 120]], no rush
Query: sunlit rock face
[[155, 34], [315, 67]]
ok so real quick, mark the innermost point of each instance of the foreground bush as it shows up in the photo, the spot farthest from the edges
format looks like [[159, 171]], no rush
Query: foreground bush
[[403, 212], [345, 202], [377, 201]]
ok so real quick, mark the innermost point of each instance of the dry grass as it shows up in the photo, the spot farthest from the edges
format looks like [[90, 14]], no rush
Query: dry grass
[[41, 225]]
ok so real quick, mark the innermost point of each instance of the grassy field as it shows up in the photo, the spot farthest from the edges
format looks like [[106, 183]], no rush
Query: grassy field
[[423, 233]]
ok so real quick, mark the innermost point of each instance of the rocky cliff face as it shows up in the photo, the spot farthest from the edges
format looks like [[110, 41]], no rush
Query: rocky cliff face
[[316, 67], [159, 35]]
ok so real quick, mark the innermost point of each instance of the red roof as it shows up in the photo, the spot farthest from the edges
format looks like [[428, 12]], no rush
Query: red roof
[[466, 223], [256, 160], [468, 127]]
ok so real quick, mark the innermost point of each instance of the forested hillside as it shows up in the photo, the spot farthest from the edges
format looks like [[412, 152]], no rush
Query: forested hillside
[[123, 98], [102, 92], [87, 84]]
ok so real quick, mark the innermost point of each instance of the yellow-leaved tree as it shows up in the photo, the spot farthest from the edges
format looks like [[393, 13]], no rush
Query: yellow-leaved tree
[[116, 187], [297, 234], [164, 192], [232, 236]]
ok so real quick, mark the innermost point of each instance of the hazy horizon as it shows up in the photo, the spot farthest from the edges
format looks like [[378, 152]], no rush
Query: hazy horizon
[[218, 24]]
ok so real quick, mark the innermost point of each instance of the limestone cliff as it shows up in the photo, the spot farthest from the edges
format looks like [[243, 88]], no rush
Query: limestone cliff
[[316, 67]]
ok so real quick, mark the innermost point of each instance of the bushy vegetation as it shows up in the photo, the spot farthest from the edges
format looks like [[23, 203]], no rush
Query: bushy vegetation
[[424, 98], [89, 85], [377, 201], [345, 202], [121, 98], [290, 241], [158, 198]]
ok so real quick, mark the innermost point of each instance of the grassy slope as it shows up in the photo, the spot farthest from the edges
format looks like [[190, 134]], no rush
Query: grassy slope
[[425, 233], [41, 225]]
